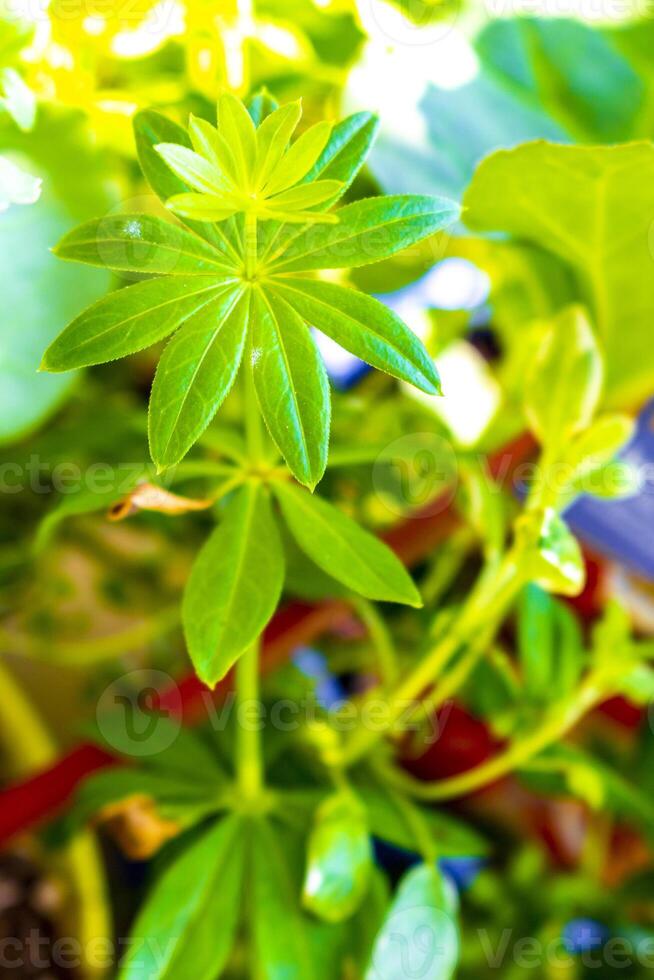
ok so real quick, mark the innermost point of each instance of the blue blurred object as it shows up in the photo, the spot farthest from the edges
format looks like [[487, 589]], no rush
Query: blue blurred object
[[462, 870], [313, 664], [581, 935], [621, 529]]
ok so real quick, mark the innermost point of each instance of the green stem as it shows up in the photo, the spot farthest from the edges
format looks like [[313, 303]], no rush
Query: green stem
[[553, 728], [248, 752], [380, 636], [495, 590], [253, 431], [250, 244]]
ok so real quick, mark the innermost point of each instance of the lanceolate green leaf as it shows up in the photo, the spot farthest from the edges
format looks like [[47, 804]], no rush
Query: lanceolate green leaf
[[282, 948], [273, 136], [363, 326], [150, 129], [301, 157], [291, 385], [592, 207], [346, 150], [234, 585], [195, 373], [143, 244], [344, 550], [129, 320], [187, 925], [425, 907], [367, 231]]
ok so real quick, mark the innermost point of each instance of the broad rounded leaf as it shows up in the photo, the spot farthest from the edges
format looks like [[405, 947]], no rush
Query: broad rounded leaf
[[128, 320], [344, 550], [291, 385], [592, 206], [234, 584], [195, 373], [363, 326]]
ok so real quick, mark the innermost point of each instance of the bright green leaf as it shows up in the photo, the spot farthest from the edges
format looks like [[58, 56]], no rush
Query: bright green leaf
[[346, 150], [195, 373], [237, 129], [363, 326], [192, 169], [344, 550], [273, 136], [291, 385], [261, 105], [234, 584], [128, 320], [367, 231], [143, 244], [299, 159], [307, 195]]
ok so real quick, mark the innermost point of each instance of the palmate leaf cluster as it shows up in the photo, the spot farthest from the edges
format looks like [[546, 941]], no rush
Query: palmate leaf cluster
[[242, 289]]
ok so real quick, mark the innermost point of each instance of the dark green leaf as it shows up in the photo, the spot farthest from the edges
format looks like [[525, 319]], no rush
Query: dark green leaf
[[129, 320], [291, 385], [188, 923], [550, 646], [344, 550], [234, 585], [363, 326], [195, 373]]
